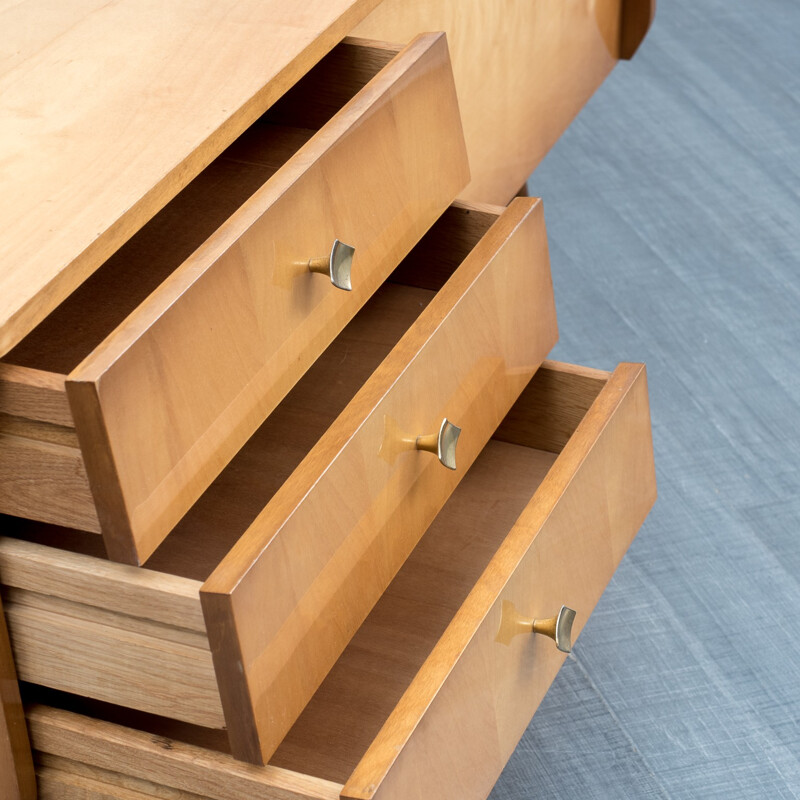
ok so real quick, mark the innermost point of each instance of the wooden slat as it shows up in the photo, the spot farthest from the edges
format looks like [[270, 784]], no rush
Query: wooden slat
[[95, 582], [166, 762], [63, 779], [63, 646], [45, 481], [29, 602], [17, 779], [34, 394], [332, 538], [96, 141], [109, 631], [462, 716], [37, 431]]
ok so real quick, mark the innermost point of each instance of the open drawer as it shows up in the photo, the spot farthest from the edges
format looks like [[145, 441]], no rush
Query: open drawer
[[294, 543], [119, 410], [430, 697]]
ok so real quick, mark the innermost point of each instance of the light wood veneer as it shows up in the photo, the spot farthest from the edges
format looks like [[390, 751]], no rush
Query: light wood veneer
[[457, 332], [109, 109], [523, 70], [424, 702], [177, 349]]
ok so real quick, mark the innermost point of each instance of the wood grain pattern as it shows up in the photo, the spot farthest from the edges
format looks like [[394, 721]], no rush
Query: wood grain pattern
[[226, 510], [37, 431], [88, 168], [17, 778], [58, 490], [136, 663], [517, 97], [94, 582], [64, 779], [164, 762], [372, 503], [137, 269], [246, 307], [486, 287], [46, 481], [466, 709], [34, 394], [109, 631], [637, 17]]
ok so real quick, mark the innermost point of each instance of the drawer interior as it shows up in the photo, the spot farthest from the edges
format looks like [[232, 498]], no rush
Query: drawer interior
[[355, 700], [227, 508], [106, 298]]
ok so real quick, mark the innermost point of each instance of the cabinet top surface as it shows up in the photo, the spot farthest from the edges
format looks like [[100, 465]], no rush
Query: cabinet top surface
[[109, 107]]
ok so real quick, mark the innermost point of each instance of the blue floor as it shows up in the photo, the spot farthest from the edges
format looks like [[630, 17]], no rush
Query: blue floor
[[673, 210]]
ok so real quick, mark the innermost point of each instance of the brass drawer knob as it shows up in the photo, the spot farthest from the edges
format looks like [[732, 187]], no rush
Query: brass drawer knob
[[336, 266], [442, 444], [558, 628]]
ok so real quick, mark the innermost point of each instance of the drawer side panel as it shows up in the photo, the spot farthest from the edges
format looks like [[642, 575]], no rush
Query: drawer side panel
[[45, 481], [77, 745]]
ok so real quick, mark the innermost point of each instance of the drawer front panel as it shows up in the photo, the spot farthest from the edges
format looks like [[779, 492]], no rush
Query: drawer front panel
[[52, 487], [289, 596], [167, 400], [461, 718]]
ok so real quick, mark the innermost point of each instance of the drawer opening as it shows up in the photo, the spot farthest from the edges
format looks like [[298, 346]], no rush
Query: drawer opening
[[222, 514], [347, 712], [92, 312]]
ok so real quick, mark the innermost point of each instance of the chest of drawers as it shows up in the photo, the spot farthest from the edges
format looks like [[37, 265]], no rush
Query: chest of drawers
[[308, 394]]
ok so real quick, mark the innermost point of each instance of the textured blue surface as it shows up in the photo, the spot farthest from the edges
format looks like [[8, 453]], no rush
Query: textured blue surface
[[673, 210]]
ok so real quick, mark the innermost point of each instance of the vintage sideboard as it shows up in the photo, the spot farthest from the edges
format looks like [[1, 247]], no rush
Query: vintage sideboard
[[292, 504]]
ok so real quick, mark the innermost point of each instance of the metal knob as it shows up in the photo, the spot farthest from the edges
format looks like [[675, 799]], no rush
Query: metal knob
[[336, 266], [558, 628], [443, 444]]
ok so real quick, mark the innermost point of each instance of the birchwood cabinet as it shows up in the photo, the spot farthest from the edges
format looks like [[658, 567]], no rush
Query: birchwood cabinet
[[292, 504]]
